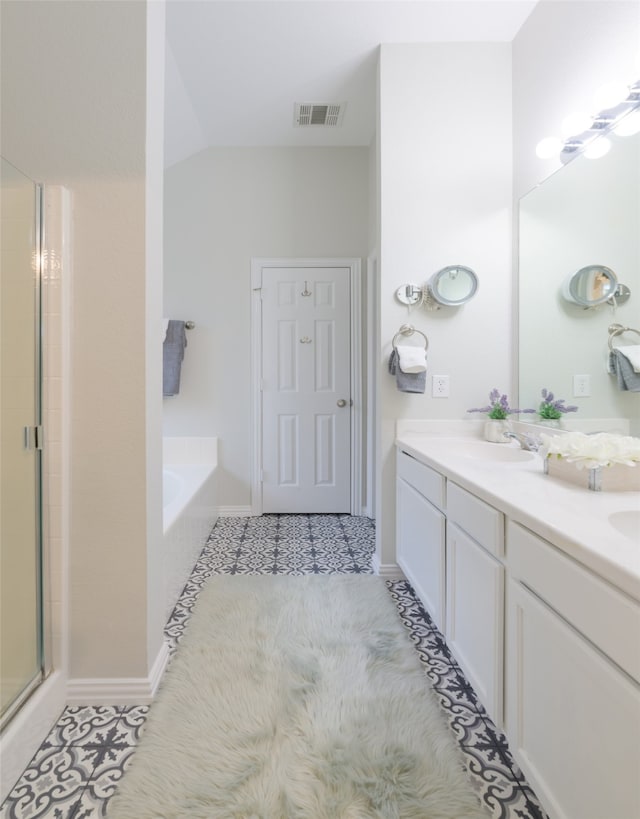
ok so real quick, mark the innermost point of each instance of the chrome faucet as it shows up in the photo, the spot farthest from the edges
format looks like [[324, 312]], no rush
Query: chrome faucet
[[526, 440]]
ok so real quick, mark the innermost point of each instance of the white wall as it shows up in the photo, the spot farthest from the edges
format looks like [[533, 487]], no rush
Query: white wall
[[445, 198], [223, 207]]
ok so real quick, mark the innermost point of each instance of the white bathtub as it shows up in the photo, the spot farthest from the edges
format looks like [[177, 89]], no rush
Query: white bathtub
[[190, 507]]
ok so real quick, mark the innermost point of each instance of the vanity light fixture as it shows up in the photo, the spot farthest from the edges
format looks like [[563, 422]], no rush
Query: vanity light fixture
[[586, 134]]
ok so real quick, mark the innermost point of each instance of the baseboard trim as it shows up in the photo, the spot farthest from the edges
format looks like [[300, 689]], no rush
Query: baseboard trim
[[390, 571], [119, 690], [234, 511]]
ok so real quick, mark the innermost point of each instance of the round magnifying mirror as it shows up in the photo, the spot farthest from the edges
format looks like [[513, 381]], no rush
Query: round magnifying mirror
[[453, 285], [590, 286]]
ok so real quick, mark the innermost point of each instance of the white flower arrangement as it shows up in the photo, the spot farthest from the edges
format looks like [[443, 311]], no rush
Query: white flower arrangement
[[592, 451]]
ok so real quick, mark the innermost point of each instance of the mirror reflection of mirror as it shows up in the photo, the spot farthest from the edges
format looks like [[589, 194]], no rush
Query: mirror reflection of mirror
[[452, 286], [590, 286]]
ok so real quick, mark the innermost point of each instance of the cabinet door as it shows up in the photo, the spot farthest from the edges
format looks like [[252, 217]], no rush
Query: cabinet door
[[573, 717], [484, 523], [475, 617], [420, 534]]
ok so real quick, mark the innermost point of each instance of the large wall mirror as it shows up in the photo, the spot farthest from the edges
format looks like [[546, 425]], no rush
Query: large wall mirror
[[586, 214]]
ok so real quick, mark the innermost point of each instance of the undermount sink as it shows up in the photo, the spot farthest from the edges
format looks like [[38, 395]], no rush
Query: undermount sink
[[485, 451], [627, 523]]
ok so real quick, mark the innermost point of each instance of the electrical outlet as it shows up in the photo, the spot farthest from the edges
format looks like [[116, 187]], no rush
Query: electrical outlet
[[581, 386], [440, 386]]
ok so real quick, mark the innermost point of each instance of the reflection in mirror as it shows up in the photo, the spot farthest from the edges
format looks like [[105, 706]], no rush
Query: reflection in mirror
[[453, 285], [590, 286], [587, 211]]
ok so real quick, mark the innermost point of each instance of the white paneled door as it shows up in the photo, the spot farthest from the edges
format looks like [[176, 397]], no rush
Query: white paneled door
[[306, 389]]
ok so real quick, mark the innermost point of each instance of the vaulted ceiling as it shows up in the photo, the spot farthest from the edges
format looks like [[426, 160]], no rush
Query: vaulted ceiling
[[236, 68]]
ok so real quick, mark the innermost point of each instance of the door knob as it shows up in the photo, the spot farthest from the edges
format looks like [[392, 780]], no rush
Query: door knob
[[341, 402]]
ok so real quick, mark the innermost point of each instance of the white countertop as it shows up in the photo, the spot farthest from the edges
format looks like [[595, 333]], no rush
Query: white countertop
[[573, 518]]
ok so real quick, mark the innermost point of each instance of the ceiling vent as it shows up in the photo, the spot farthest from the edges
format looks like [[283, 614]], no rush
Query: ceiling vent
[[322, 114]]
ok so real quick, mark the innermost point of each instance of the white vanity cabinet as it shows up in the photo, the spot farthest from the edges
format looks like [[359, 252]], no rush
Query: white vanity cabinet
[[541, 609], [449, 544], [475, 594], [420, 536], [572, 693]]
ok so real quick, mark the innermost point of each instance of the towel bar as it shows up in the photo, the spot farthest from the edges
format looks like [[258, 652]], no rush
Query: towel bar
[[617, 330], [189, 325], [409, 330]]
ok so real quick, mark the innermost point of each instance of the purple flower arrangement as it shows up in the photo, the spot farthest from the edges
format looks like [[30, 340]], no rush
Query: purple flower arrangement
[[498, 407], [552, 408]]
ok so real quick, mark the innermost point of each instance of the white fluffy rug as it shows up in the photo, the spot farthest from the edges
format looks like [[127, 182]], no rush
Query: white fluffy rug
[[296, 698]]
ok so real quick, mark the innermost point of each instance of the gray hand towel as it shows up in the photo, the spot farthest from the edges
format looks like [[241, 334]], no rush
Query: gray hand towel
[[172, 355], [620, 366], [406, 382]]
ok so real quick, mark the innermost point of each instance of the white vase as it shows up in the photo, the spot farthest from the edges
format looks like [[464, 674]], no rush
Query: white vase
[[494, 430], [553, 423]]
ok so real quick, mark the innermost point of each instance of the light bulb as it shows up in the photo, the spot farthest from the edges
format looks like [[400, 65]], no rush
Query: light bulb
[[629, 125], [610, 95], [576, 123], [549, 147], [599, 147]]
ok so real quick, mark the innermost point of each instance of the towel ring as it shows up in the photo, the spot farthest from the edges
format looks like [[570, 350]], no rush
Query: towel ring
[[409, 330], [618, 330]]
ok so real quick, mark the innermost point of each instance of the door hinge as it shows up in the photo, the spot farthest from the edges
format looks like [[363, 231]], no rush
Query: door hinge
[[34, 437]]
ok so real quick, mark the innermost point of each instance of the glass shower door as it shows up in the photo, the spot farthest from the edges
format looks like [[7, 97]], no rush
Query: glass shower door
[[20, 457]]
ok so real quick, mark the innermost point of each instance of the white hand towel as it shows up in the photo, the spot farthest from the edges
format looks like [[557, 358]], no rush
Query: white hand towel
[[412, 359], [632, 353]]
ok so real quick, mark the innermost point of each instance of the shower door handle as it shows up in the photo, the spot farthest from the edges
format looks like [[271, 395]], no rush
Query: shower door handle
[[33, 437]]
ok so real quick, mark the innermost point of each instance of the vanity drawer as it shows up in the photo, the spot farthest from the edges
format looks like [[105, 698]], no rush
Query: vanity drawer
[[484, 523], [429, 483], [599, 611]]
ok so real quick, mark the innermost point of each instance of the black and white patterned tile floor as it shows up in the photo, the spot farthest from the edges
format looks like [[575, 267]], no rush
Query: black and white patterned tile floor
[[77, 768]]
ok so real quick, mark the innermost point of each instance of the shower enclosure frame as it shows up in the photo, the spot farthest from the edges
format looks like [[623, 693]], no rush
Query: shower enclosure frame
[[33, 439]]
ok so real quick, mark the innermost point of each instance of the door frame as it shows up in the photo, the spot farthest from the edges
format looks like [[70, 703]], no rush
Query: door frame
[[355, 291], [371, 352]]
